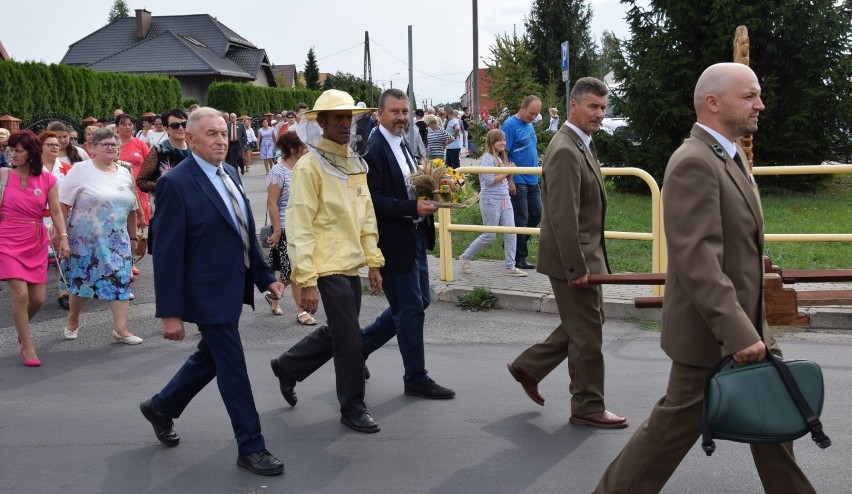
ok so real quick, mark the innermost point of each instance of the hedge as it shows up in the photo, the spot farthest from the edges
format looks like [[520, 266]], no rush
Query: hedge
[[30, 88], [248, 99]]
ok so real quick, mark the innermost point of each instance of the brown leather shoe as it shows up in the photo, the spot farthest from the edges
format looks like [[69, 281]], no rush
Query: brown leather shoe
[[530, 386], [604, 420]]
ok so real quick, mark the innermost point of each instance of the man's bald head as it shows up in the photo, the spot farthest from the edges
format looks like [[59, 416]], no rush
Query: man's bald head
[[727, 99], [717, 79]]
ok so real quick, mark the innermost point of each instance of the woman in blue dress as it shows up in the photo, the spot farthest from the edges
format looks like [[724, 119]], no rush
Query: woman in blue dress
[[266, 142]]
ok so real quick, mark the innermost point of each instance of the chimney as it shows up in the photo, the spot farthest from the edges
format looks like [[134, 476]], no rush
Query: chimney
[[143, 23]]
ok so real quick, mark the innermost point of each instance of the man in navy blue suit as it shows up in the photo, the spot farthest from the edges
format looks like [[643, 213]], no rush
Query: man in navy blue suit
[[206, 262], [406, 231]]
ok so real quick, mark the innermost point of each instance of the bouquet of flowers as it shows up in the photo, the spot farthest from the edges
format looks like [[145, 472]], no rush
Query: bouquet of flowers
[[445, 187]]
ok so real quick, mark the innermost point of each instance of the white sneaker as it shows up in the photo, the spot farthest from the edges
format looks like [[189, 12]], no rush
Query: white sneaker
[[515, 272], [466, 267]]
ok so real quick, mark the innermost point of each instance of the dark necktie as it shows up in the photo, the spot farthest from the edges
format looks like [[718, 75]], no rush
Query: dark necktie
[[405, 153], [241, 219], [740, 164], [594, 151]]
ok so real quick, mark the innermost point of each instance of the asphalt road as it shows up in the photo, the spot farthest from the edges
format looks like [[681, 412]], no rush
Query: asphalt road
[[73, 425]]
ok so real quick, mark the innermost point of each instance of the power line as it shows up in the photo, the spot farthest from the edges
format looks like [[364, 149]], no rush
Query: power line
[[415, 68]]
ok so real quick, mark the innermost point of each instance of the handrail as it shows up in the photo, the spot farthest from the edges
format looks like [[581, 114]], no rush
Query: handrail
[[658, 248], [655, 236]]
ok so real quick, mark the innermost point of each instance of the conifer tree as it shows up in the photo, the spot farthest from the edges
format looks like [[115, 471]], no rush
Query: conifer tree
[[312, 71]]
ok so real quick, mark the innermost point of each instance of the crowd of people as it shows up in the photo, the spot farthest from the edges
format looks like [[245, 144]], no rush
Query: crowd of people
[[335, 210]]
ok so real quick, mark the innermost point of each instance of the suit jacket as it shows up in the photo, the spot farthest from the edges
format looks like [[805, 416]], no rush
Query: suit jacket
[[571, 242], [394, 210], [241, 134], [713, 221], [199, 271]]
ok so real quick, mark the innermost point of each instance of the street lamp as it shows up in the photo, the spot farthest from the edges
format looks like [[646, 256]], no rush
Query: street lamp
[[391, 79]]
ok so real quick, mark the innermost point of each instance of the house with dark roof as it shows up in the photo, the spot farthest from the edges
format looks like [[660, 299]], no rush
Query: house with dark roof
[[197, 50], [285, 75]]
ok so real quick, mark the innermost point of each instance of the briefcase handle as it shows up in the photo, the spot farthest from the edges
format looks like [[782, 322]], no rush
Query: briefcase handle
[[811, 419]]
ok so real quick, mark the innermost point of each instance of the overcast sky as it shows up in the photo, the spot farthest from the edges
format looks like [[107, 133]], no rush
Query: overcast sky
[[286, 29]]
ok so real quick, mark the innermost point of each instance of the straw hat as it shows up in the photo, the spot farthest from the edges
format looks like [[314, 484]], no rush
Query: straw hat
[[335, 100]]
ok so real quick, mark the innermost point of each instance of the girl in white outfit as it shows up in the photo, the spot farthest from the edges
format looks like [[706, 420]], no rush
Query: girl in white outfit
[[494, 204]]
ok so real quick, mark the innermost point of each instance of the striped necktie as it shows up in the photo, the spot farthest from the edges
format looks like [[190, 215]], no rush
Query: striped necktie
[[241, 219]]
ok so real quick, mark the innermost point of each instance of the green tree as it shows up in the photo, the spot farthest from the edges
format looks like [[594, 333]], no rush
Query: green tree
[[800, 55], [352, 84], [510, 76], [549, 23], [119, 10], [312, 71]]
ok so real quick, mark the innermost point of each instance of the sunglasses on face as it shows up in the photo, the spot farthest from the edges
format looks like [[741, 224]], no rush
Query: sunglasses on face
[[177, 125]]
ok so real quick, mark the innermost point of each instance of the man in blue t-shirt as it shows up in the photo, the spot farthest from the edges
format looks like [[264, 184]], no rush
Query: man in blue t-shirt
[[522, 147]]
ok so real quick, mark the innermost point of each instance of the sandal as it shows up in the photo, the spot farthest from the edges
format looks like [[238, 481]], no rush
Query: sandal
[[276, 311], [306, 321]]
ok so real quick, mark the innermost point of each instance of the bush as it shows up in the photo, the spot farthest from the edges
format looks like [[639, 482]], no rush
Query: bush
[[31, 88], [242, 98]]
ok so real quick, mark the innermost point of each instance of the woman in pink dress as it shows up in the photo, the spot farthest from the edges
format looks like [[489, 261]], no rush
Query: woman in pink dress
[[134, 151], [28, 192]]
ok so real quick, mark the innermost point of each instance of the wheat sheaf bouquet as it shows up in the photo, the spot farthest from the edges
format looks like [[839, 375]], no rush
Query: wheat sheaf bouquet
[[445, 187]]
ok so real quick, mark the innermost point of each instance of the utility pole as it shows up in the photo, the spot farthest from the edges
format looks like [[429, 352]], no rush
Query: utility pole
[[412, 128], [474, 99], [368, 70]]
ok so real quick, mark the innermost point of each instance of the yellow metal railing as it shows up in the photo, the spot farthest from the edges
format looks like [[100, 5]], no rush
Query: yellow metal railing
[[445, 225], [656, 236], [804, 170]]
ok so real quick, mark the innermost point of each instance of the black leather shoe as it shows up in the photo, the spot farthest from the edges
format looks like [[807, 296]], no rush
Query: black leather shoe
[[366, 373], [286, 383], [429, 389], [523, 264], [261, 463], [164, 427], [361, 422]]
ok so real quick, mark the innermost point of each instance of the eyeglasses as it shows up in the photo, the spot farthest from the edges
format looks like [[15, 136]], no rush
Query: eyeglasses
[[53, 146], [158, 124], [177, 125], [107, 145], [73, 139]]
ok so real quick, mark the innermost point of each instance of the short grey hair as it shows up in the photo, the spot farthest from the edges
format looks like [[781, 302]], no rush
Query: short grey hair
[[202, 112], [391, 93], [104, 133], [587, 85]]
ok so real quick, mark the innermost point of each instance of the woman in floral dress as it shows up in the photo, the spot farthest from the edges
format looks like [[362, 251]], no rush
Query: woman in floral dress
[[104, 211]]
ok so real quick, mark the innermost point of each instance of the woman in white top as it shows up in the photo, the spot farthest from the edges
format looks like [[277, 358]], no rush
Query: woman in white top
[[157, 134], [50, 161], [251, 138], [104, 211]]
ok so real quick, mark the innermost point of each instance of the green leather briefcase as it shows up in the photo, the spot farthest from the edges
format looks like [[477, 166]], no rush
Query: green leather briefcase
[[774, 401]]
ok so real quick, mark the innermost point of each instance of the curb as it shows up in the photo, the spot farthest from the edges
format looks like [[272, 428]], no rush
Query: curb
[[830, 318]]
